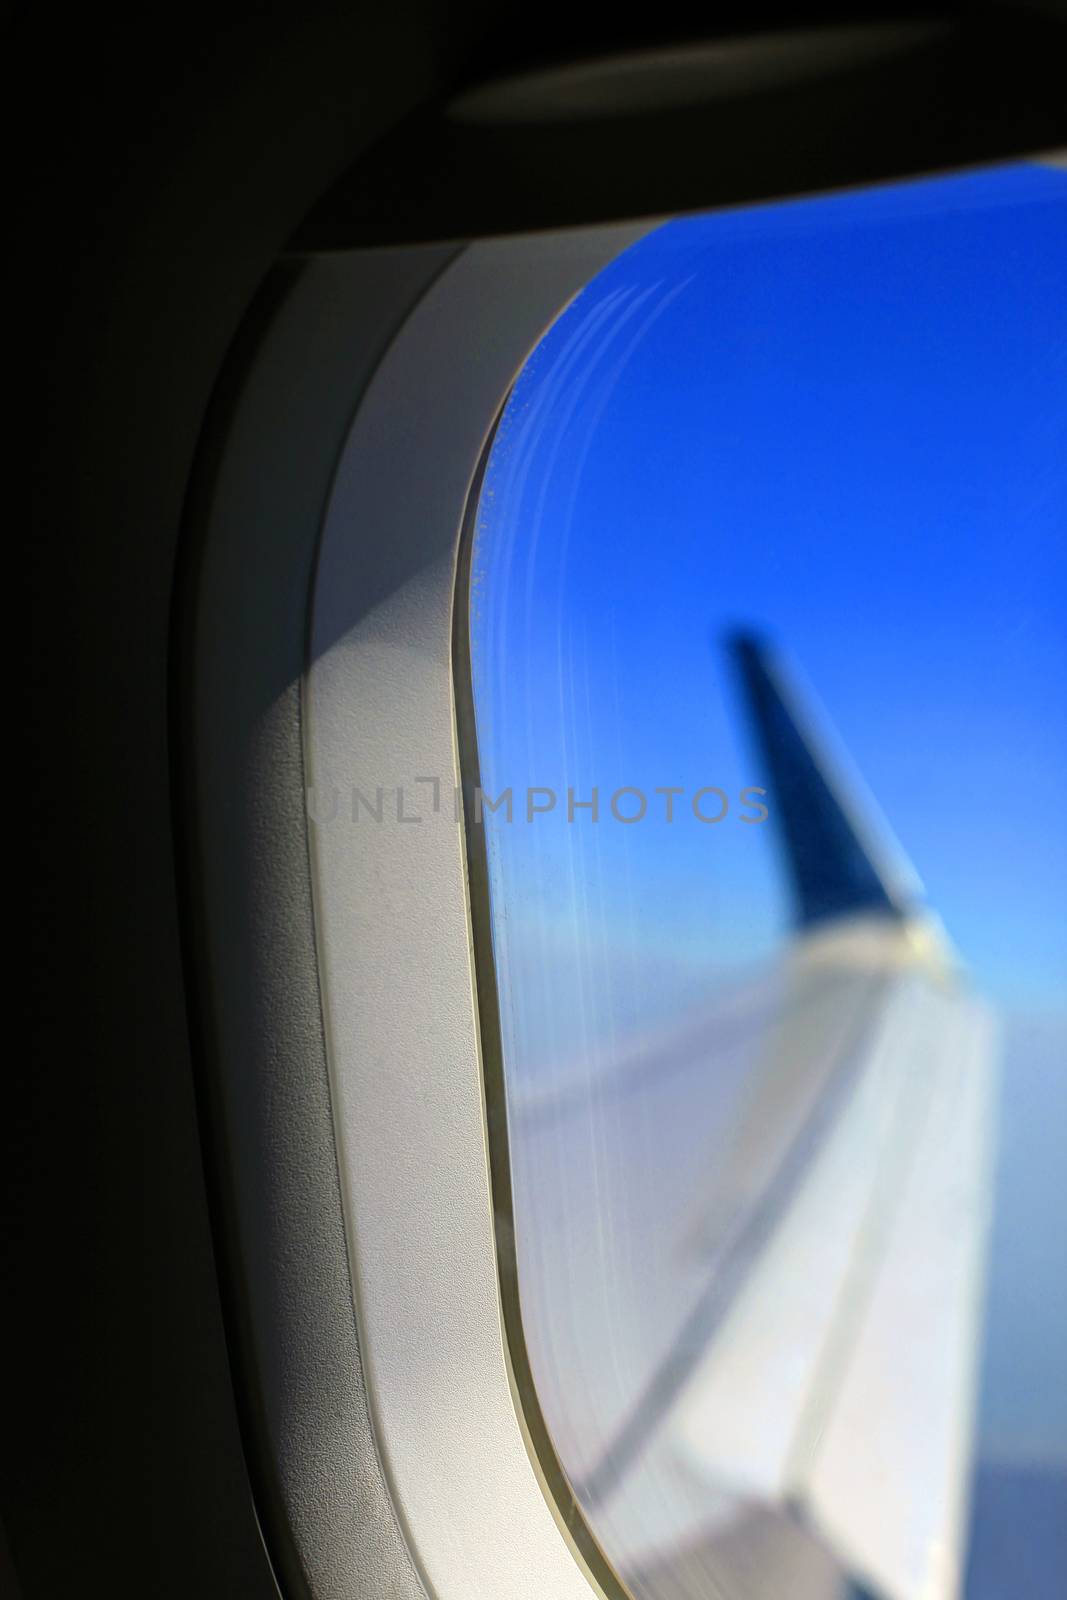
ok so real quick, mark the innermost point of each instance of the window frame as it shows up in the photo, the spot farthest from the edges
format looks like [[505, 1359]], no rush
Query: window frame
[[387, 689], [325, 1165]]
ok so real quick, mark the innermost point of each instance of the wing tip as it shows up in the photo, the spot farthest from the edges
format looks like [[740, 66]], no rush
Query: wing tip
[[833, 867]]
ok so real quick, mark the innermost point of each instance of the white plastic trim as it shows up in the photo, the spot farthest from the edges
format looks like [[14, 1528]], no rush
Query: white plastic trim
[[393, 926]]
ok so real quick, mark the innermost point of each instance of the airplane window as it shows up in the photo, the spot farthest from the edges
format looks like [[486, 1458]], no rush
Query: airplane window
[[766, 588]]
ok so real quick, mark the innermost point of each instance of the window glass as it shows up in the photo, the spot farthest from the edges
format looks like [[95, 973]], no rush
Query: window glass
[[768, 665]]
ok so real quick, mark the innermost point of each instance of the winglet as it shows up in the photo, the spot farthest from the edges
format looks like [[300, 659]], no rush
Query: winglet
[[833, 868]]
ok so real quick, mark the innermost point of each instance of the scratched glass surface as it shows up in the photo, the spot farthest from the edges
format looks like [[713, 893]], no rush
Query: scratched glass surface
[[768, 655]]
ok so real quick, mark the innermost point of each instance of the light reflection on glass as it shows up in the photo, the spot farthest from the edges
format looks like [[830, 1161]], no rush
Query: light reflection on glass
[[780, 500]]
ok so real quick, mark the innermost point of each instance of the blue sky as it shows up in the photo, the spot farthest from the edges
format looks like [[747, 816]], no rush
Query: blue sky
[[842, 422]]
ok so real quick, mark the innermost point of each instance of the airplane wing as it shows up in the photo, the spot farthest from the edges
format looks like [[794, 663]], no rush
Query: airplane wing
[[751, 1247]]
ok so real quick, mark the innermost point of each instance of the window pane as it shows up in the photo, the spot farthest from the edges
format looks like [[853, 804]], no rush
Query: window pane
[[767, 576]]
